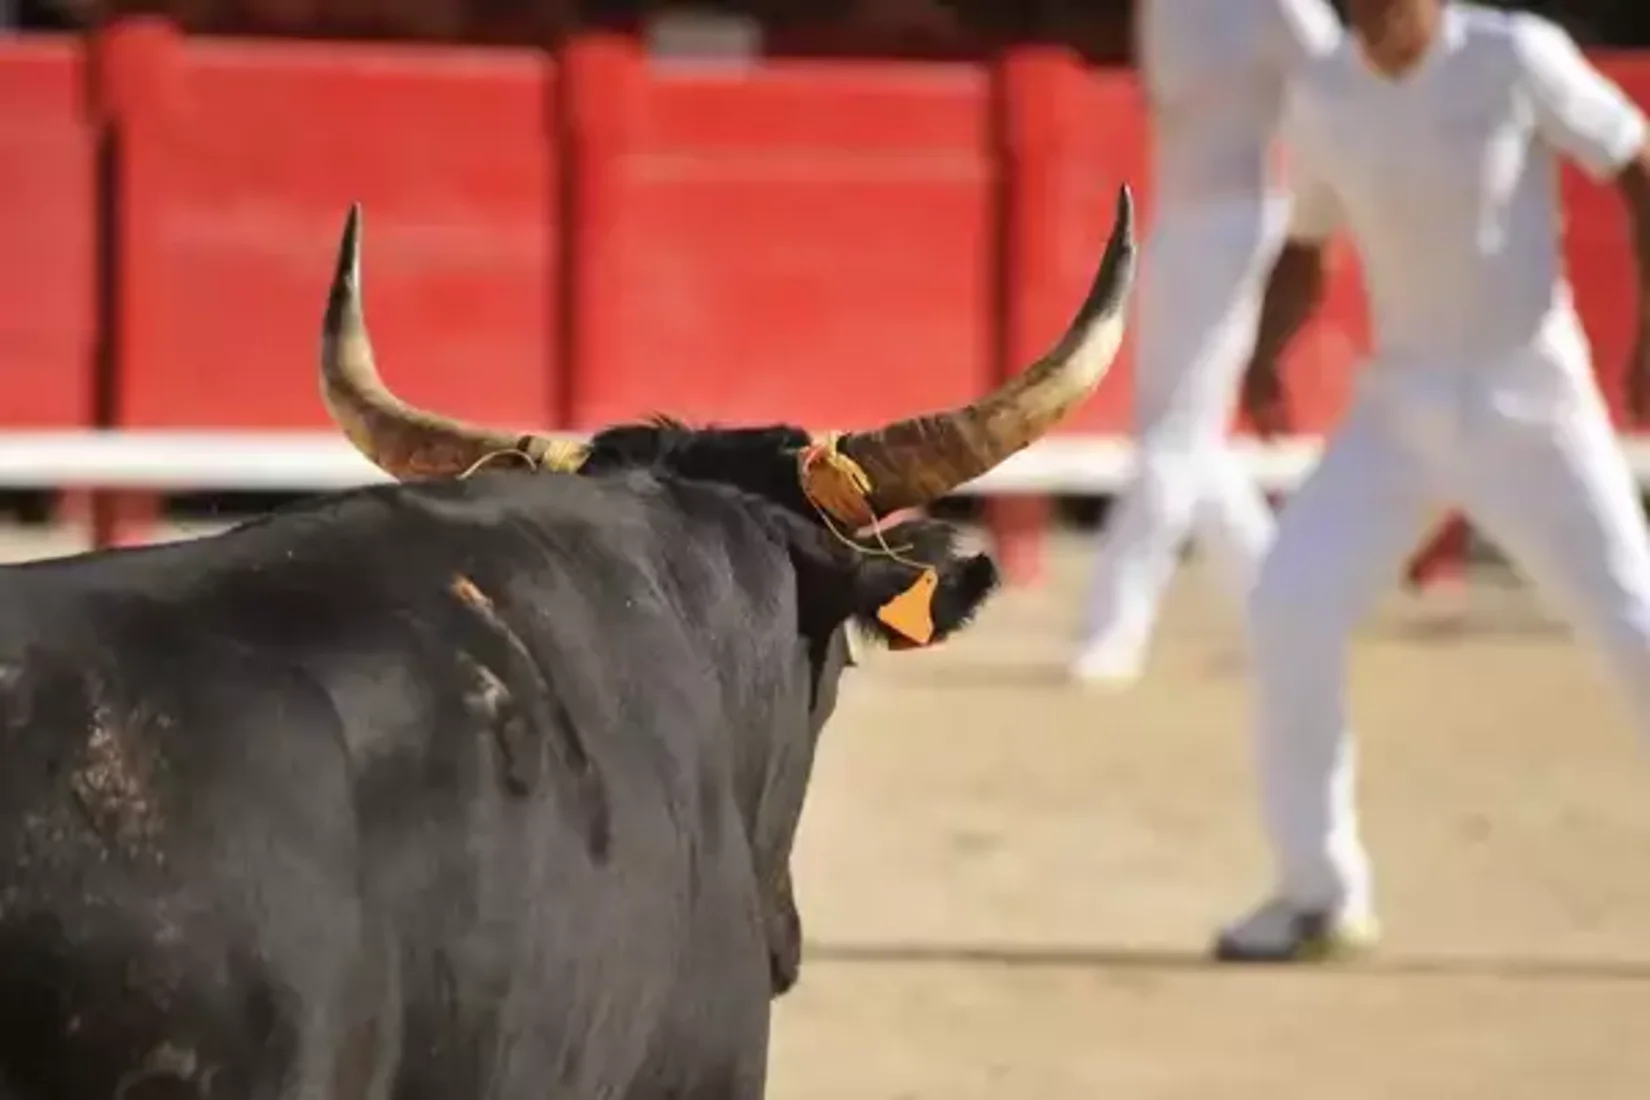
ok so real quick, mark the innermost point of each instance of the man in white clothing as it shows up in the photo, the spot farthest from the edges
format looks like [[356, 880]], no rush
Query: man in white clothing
[[1432, 136], [1214, 73]]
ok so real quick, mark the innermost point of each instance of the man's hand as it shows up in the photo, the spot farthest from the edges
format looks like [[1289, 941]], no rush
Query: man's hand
[[1292, 294], [1264, 399]]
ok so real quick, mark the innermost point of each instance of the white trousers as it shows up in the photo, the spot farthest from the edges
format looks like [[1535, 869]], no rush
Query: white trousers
[[1524, 447], [1202, 278]]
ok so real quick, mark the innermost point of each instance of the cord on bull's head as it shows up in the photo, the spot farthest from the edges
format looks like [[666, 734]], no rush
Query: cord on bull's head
[[839, 490], [537, 453]]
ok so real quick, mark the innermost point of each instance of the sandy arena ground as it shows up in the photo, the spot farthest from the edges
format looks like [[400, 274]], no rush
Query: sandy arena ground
[[1008, 884]]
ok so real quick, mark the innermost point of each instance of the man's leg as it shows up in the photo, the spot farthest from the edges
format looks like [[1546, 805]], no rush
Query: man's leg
[[1555, 491], [1341, 539], [1199, 305]]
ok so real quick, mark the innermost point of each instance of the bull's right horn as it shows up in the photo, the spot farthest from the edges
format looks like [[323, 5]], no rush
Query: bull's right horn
[[913, 462], [403, 441]]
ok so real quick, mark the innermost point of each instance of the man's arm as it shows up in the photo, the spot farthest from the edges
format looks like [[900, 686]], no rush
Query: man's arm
[[1588, 118], [1292, 295], [1633, 181], [1293, 292], [1578, 110]]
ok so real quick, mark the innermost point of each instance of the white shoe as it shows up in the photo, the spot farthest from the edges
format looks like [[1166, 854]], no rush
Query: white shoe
[[1279, 931], [1109, 666]]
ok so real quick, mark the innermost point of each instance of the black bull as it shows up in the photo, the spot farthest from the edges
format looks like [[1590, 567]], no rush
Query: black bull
[[482, 786]]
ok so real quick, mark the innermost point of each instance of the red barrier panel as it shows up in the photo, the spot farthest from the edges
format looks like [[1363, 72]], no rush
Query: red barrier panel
[[806, 242], [1071, 136], [244, 158], [48, 273]]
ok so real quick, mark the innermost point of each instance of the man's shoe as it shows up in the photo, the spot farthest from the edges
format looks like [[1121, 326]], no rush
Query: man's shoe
[[1107, 666], [1281, 932]]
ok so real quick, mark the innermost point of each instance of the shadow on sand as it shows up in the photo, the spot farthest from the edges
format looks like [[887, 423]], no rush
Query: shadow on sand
[[1521, 968]]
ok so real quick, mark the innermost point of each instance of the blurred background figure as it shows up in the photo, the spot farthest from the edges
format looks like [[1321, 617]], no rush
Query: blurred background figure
[[1213, 72]]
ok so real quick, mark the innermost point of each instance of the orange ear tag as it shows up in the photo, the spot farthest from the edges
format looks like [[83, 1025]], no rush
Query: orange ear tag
[[911, 613]]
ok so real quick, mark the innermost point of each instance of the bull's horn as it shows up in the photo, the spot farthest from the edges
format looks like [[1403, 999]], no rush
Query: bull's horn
[[912, 462], [404, 441]]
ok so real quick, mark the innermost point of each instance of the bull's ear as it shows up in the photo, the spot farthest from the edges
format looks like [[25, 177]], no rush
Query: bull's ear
[[910, 588], [925, 594]]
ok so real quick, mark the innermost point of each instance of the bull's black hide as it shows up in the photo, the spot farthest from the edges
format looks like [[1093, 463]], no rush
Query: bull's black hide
[[479, 787]]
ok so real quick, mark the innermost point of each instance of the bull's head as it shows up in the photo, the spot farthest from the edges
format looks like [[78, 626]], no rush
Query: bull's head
[[825, 495]]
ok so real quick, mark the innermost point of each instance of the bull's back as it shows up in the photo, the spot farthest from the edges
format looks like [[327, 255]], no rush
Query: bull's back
[[272, 826], [174, 863]]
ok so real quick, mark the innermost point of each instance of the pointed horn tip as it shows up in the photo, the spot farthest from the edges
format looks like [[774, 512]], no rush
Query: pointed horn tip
[[1115, 277], [1122, 229], [349, 243], [346, 275]]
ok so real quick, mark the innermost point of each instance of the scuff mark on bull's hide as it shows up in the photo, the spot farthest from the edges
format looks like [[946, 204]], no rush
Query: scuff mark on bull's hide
[[465, 589], [490, 700], [113, 783], [522, 721]]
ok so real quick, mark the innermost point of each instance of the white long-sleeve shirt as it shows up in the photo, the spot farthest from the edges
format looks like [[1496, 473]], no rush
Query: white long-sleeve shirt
[[1214, 73], [1447, 179]]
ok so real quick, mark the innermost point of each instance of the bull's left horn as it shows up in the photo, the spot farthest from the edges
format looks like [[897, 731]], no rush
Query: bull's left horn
[[404, 441], [912, 462]]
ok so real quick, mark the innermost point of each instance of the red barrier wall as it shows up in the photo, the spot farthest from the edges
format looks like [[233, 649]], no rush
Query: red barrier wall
[[813, 241], [248, 157], [48, 274], [571, 241]]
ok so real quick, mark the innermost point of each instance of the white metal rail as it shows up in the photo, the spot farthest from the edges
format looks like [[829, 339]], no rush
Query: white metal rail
[[314, 461]]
